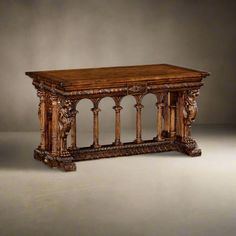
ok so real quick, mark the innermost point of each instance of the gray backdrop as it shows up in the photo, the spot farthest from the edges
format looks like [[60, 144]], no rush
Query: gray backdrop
[[42, 35]]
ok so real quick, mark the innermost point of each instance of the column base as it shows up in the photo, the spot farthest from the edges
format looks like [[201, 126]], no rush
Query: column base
[[158, 139], [64, 162], [138, 141], [188, 146], [117, 143], [95, 145]]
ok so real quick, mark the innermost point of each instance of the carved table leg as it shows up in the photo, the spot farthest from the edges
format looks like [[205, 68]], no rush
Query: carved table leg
[[166, 132], [187, 111], [63, 115], [66, 117], [173, 101], [45, 125]]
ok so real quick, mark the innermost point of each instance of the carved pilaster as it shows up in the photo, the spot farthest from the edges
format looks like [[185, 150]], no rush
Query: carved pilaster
[[96, 111], [55, 134], [42, 113], [139, 108], [166, 115], [117, 109], [172, 121]]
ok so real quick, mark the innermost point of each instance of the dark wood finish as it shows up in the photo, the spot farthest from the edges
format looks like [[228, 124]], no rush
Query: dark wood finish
[[175, 88]]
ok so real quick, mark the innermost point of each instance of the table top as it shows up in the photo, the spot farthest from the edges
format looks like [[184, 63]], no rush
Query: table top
[[114, 76]]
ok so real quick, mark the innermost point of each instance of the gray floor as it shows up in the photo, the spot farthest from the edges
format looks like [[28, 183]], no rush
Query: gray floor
[[165, 194]]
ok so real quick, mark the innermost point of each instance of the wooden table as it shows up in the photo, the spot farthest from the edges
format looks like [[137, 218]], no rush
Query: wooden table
[[175, 88]]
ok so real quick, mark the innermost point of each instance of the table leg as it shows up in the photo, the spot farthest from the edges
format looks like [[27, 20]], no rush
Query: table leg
[[187, 111]]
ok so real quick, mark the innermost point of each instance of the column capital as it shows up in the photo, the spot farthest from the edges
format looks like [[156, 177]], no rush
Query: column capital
[[160, 97], [95, 110], [41, 94], [117, 108], [138, 106], [160, 104]]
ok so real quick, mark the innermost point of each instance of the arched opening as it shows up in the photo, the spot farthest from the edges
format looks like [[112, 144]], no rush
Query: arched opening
[[128, 116], [106, 121], [149, 119], [84, 121]]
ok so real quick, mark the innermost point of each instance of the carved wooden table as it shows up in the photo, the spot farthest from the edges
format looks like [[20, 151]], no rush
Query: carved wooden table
[[175, 88]]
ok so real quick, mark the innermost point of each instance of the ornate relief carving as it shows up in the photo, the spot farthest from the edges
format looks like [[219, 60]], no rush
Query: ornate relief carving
[[97, 91], [67, 114], [190, 106], [137, 88], [173, 86], [160, 98], [188, 146], [123, 150], [41, 95]]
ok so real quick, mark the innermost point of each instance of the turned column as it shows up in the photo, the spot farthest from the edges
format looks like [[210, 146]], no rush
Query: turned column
[[95, 111], [166, 132], [117, 109], [180, 114], [49, 131], [42, 112], [55, 127], [138, 107], [173, 101], [160, 110], [172, 120]]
